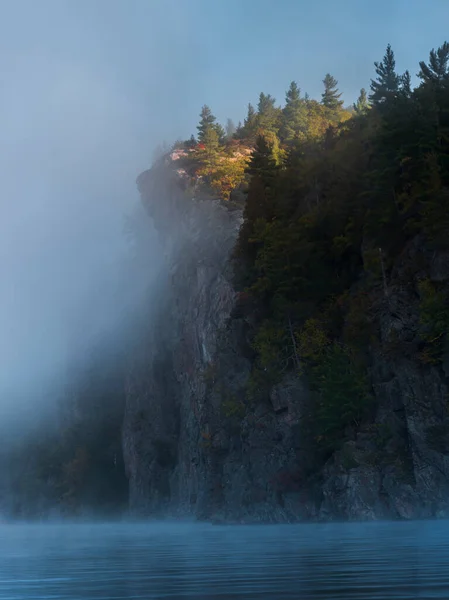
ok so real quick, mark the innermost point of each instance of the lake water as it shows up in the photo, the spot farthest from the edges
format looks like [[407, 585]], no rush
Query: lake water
[[199, 561]]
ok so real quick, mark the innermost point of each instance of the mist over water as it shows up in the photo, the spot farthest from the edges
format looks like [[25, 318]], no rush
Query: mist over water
[[180, 560], [88, 90]]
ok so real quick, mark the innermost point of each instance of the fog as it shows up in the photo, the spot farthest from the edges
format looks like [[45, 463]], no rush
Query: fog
[[88, 89], [355, 561], [74, 136]]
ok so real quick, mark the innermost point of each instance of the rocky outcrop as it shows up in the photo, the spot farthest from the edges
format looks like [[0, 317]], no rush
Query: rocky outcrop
[[399, 466], [193, 446], [190, 445]]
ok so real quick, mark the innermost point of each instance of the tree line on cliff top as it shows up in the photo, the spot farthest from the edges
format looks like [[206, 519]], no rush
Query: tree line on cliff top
[[333, 196]]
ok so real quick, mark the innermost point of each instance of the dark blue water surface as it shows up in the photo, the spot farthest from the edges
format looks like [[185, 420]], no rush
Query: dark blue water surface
[[178, 560]]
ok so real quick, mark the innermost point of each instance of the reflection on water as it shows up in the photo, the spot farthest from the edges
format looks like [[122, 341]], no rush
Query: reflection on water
[[178, 560]]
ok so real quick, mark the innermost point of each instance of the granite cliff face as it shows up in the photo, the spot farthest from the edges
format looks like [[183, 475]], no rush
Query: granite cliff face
[[398, 465], [192, 444]]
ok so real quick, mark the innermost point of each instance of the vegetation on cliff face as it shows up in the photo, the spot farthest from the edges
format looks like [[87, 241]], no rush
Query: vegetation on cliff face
[[333, 198], [219, 160]]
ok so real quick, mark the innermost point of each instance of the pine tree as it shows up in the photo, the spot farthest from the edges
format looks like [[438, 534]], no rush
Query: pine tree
[[361, 107], [406, 84], [293, 94], [266, 103], [330, 96], [387, 83], [250, 120], [267, 113], [260, 202], [437, 69], [248, 130], [263, 162], [208, 120], [220, 132], [293, 114], [434, 95]]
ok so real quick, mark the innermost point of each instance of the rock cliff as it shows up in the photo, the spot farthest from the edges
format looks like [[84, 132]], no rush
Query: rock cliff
[[194, 446]]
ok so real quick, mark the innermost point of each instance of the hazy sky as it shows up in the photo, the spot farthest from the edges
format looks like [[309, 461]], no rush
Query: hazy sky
[[89, 87]]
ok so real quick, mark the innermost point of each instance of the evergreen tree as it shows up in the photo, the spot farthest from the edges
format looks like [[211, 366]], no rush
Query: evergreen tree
[[361, 107], [406, 84], [207, 121], [248, 130], [263, 162], [293, 94], [259, 206], [220, 132], [266, 103], [293, 114], [434, 96], [387, 82], [437, 69], [330, 96], [250, 120], [267, 113]]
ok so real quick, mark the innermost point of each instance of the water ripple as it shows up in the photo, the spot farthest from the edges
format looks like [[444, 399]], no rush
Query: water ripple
[[376, 561]]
